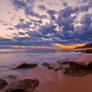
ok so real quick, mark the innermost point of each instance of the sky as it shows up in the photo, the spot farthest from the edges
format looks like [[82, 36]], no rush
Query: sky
[[45, 22]]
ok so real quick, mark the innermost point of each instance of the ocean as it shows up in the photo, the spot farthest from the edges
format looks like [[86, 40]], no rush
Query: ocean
[[17, 56]]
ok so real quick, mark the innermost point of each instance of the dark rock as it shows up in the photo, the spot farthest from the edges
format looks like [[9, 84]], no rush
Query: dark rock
[[52, 66], [76, 69], [64, 63], [18, 90], [25, 66], [46, 64], [3, 83], [60, 68], [85, 51], [88, 51], [26, 85], [67, 71], [12, 76], [90, 66]]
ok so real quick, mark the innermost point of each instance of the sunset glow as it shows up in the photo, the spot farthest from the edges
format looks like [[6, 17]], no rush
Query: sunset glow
[[16, 46], [32, 47], [69, 46]]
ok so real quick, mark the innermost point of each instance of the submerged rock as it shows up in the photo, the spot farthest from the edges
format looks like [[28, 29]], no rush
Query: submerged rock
[[12, 77], [25, 66], [76, 69], [3, 83], [26, 85], [52, 66]]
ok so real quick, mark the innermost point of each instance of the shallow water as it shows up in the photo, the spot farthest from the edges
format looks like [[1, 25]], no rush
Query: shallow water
[[9, 58], [12, 56]]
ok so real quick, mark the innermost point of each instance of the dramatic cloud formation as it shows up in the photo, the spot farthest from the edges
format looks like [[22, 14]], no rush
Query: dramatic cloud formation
[[47, 22]]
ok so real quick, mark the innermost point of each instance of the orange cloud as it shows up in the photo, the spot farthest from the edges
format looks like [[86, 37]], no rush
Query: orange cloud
[[69, 46]]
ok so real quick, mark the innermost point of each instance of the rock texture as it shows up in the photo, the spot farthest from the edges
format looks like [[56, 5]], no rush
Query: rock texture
[[26, 66], [26, 85], [3, 83], [88, 51], [75, 69], [54, 67], [12, 77], [71, 68]]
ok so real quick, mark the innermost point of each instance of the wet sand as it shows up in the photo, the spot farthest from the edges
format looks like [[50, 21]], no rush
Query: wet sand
[[70, 84], [54, 81], [51, 81]]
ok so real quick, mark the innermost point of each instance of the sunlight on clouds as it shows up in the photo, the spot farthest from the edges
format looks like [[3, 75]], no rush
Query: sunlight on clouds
[[70, 46]]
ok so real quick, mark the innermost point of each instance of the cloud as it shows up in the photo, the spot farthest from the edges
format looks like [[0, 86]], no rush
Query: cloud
[[27, 6], [66, 25], [10, 28], [6, 41], [65, 19], [21, 33], [42, 7], [52, 14], [23, 25], [84, 32]]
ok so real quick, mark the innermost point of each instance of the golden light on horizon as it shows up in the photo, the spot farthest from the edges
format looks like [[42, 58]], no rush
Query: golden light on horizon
[[58, 46], [70, 46], [32, 47], [16, 46]]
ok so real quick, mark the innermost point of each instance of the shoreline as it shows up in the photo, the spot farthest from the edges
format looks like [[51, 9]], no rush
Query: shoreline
[[51, 81]]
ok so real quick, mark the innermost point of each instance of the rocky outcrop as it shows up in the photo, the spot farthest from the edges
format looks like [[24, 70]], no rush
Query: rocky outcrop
[[75, 69], [26, 85], [3, 83], [26, 66], [71, 68], [88, 51]]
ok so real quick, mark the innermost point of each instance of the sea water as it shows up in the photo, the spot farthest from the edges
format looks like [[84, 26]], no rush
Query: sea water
[[17, 56]]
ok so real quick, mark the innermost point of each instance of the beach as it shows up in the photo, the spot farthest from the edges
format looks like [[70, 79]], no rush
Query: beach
[[49, 79]]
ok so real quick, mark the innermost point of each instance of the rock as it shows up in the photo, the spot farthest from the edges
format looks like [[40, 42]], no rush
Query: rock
[[12, 76], [52, 66], [3, 83], [66, 71], [18, 90], [64, 63], [90, 66], [47, 65], [26, 85], [26, 66], [88, 51], [76, 69], [71, 68]]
